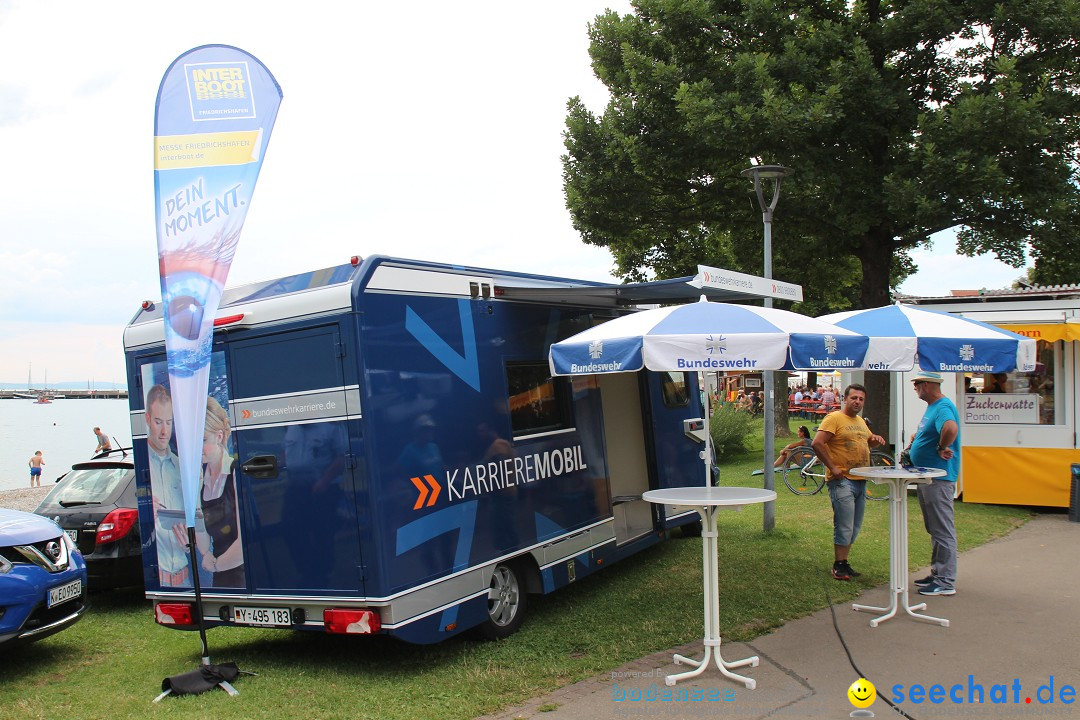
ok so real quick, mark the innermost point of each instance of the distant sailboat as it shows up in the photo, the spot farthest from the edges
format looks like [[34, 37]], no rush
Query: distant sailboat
[[44, 397], [29, 394]]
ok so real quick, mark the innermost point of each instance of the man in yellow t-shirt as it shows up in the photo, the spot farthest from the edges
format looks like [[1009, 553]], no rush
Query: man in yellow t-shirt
[[843, 442]]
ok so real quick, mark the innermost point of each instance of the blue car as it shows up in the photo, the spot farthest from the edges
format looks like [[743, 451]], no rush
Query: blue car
[[42, 578]]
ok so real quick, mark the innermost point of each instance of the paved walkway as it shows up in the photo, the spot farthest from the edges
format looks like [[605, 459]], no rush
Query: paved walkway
[[1014, 634]]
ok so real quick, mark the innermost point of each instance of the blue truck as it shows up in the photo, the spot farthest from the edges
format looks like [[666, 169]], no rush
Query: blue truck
[[400, 460]]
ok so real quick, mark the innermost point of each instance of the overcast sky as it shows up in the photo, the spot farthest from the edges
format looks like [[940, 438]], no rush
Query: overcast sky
[[427, 130]]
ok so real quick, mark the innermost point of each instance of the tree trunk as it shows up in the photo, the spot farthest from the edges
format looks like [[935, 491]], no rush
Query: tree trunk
[[876, 258], [780, 414]]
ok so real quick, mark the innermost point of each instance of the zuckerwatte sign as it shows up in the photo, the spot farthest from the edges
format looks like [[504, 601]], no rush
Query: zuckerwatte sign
[[1001, 409]]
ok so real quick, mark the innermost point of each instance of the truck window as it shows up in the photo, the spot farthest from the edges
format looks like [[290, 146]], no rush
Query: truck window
[[538, 402], [675, 389]]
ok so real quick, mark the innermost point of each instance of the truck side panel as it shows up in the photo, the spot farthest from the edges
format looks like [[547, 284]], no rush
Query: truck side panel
[[454, 485]]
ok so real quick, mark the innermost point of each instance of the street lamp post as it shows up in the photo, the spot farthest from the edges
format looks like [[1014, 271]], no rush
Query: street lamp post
[[757, 173]]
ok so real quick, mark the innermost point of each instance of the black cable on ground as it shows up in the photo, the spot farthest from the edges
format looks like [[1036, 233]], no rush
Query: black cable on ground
[[851, 660]]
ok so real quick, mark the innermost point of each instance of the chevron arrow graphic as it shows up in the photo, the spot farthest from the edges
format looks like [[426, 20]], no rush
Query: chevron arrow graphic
[[436, 488]]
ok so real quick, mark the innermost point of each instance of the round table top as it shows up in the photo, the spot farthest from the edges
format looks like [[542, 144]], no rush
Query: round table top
[[890, 472], [706, 496]]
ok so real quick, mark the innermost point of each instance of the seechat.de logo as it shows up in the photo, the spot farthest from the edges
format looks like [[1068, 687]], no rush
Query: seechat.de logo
[[862, 694]]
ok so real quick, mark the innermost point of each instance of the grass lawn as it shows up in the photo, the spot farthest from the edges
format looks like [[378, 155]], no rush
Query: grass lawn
[[110, 665]]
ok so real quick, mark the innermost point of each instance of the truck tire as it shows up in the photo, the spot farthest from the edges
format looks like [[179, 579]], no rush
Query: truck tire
[[691, 529], [507, 602]]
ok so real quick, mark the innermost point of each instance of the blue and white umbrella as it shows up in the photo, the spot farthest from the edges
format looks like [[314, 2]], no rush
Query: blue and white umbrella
[[709, 337], [903, 336]]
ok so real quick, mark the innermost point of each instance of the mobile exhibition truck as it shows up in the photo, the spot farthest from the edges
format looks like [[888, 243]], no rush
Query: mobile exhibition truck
[[402, 462]]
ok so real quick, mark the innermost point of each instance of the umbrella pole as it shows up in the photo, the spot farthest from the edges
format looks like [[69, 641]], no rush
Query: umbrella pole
[[707, 407]]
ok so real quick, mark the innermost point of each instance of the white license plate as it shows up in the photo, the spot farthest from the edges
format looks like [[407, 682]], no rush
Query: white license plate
[[73, 534], [261, 616], [64, 593]]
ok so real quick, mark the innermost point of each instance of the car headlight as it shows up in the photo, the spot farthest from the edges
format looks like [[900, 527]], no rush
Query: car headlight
[[5, 565]]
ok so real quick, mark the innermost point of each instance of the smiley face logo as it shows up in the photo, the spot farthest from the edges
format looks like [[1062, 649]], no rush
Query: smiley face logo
[[862, 693]]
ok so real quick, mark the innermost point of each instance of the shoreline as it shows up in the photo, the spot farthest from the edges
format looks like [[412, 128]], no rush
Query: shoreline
[[26, 499]]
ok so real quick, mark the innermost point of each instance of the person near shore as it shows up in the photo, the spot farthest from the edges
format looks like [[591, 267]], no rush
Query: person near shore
[[843, 442], [103, 444], [936, 444], [36, 463], [174, 568]]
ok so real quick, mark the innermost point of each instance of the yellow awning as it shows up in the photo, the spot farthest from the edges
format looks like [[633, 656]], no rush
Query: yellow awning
[[1045, 331]]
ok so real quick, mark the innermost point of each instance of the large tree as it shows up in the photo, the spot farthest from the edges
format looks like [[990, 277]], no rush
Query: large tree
[[900, 119]]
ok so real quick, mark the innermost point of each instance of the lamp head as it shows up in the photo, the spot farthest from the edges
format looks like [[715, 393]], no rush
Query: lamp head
[[767, 171]]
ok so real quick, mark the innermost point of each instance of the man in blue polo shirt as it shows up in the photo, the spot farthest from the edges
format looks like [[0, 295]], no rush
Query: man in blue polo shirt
[[936, 444]]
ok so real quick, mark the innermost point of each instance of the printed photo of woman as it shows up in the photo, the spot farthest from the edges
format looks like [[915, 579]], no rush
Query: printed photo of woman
[[220, 545]]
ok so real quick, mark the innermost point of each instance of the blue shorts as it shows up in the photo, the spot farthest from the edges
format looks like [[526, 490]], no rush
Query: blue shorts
[[35, 471], [848, 503]]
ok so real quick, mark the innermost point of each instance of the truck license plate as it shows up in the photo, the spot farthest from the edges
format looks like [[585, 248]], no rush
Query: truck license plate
[[261, 616], [64, 593]]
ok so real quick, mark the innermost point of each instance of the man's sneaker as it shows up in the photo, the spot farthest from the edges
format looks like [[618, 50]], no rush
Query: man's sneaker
[[840, 571], [935, 589], [923, 582], [851, 571]]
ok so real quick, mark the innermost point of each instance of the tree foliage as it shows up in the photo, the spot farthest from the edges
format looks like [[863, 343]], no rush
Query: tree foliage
[[900, 119]]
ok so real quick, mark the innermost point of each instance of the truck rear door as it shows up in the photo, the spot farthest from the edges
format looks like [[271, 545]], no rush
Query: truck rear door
[[297, 470]]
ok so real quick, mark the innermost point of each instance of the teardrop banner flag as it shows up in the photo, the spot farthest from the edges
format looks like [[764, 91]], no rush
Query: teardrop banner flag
[[215, 110]]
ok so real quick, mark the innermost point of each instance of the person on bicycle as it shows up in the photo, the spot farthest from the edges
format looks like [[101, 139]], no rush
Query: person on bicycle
[[843, 442]]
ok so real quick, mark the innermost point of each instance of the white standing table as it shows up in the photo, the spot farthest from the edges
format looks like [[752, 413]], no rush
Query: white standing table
[[898, 478], [708, 501]]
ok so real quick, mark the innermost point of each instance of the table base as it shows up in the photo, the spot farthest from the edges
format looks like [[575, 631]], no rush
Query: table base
[[899, 600], [712, 652]]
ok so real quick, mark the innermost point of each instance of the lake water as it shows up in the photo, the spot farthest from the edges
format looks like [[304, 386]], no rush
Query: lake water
[[63, 431]]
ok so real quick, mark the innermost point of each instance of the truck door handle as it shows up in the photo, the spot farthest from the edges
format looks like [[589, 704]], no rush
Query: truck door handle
[[261, 467]]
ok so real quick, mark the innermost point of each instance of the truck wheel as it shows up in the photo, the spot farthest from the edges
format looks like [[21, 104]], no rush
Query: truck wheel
[[691, 529], [507, 600]]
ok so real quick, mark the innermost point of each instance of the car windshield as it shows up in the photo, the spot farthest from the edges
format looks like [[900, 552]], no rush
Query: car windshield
[[86, 486]]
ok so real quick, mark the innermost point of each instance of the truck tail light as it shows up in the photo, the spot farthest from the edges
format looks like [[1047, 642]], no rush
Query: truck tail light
[[352, 622], [116, 525], [180, 614]]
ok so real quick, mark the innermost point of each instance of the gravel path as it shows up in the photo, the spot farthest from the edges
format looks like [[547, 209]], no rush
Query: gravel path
[[26, 499]]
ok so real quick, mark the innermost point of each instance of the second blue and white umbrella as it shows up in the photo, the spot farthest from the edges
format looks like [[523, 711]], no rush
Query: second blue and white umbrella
[[902, 336]]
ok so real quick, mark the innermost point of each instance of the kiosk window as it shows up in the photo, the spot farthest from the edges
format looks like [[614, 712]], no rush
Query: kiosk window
[[1041, 383], [675, 388], [538, 402]]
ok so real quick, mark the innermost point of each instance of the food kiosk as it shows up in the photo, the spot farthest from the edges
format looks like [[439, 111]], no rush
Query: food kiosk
[[1018, 430]]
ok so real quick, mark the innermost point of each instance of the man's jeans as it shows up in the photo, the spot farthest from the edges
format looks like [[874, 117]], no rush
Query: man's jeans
[[848, 503]]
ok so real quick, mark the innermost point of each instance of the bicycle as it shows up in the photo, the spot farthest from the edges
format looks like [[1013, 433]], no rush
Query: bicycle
[[804, 473]]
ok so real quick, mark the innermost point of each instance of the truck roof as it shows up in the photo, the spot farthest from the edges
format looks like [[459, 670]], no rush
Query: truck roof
[[332, 289]]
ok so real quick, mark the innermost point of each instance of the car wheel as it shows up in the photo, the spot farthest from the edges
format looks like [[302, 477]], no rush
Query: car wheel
[[507, 601]]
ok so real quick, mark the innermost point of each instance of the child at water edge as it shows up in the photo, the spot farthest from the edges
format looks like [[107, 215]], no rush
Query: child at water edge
[[35, 468]]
